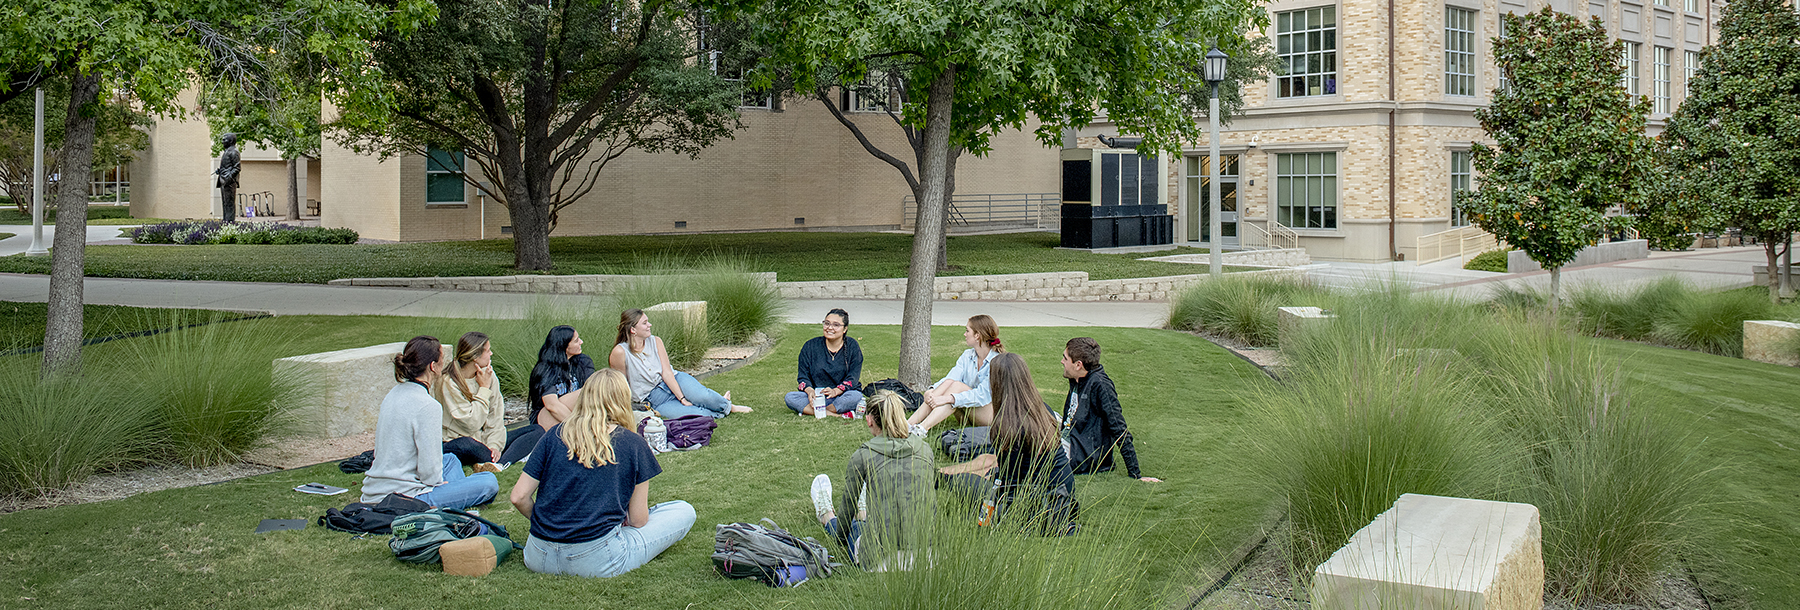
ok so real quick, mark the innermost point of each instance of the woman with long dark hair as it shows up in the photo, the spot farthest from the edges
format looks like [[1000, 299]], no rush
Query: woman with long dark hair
[[555, 386], [830, 368], [409, 453], [641, 357], [1026, 443]]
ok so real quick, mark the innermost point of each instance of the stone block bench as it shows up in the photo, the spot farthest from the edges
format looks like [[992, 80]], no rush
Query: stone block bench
[[1772, 341], [1432, 553], [1291, 321], [350, 383]]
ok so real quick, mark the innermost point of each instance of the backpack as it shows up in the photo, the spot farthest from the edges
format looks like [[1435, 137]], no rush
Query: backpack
[[377, 518], [768, 554], [359, 463], [417, 536], [913, 399], [963, 444], [690, 431]]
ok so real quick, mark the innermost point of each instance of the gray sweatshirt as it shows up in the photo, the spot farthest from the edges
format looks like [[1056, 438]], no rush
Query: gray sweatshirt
[[409, 457]]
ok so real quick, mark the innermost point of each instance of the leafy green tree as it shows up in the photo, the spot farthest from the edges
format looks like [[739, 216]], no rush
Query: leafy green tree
[[974, 68], [1570, 142], [118, 136], [1733, 147], [149, 51], [541, 96], [280, 111]]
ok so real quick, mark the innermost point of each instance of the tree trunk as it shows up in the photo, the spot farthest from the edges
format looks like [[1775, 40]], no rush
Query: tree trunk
[[928, 235], [293, 211], [1555, 291], [1787, 267], [1774, 276], [62, 325]]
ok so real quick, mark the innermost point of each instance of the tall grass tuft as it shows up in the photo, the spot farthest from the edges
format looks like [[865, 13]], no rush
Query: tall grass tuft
[[212, 386], [738, 303], [1240, 308], [60, 430], [1605, 312], [1518, 299], [1711, 322], [1376, 406]]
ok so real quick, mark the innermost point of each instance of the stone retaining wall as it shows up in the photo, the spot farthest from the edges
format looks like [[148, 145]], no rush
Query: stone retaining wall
[[1056, 286], [1519, 262], [1277, 257]]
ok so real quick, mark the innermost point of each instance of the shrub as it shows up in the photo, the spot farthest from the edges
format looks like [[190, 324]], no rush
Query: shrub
[[1711, 322], [217, 232], [1240, 308], [60, 430], [1492, 260], [211, 386]]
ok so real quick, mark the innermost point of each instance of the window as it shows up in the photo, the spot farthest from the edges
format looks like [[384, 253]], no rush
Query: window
[[873, 94], [1459, 51], [443, 177], [1459, 182], [1306, 190], [1630, 59], [1690, 62], [1128, 179], [1693, 6], [1661, 77], [729, 70], [1306, 45], [1505, 83], [1662, 2]]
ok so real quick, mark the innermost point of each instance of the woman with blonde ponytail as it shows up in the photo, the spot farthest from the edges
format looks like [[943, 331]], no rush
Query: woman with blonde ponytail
[[586, 490], [889, 488]]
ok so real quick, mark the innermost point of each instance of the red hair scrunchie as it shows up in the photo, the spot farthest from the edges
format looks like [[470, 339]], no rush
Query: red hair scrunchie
[[994, 343]]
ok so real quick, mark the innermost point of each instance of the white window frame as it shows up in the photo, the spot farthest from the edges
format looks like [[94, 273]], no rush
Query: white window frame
[[1629, 57], [1459, 50], [1462, 180], [1660, 76], [1690, 64], [1318, 195], [1314, 50]]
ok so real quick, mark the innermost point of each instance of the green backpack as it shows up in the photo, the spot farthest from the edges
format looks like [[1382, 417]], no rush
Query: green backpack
[[417, 536]]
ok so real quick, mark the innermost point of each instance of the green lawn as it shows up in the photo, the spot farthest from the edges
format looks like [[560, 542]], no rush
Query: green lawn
[[107, 215], [6, 235], [22, 324], [194, 547], [793, 256]]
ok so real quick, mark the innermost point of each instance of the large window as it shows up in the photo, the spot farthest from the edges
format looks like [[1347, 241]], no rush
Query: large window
[[1630, 58], [1459, 51], [1693, 6], [1459, 182], [1306, 43], [1505, 83], [1661, 76], [1690, 64], [1306, 190], [443, 177]]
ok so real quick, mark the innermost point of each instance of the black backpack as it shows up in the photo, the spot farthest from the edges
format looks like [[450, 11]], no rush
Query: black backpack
[[963, 444], [377, 518], [358, 463], [913, 399]]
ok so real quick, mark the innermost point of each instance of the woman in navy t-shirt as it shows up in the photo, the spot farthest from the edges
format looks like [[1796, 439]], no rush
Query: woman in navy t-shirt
[[590, 475]]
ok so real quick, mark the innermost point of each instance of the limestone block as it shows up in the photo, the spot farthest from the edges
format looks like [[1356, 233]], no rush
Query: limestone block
[[1011, 294], [351, 384], [568, 287], [1291, 321], [691, 313], [1772, 341], [1434, 552], [960, 286]]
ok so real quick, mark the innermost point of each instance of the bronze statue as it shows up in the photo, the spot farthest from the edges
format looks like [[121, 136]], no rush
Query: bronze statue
[[228, 176]]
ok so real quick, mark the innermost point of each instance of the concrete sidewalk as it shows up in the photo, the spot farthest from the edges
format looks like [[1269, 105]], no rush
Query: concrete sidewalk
[[21, 241], [316, 299]]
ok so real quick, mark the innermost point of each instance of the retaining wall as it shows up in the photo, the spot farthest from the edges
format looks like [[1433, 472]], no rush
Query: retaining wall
[[1519, 262], [1277, 257]]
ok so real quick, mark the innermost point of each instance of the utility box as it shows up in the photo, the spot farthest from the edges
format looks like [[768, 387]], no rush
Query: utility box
[[1114, 198]]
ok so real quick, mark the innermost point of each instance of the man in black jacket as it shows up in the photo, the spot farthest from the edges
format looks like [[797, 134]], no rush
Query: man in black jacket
[[1092, 421]]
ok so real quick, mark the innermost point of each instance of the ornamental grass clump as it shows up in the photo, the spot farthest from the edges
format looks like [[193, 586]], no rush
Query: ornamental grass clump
[[211, 386], [739, 303], [1242, 309], [1711, 322], [1604, 312], [61, 429]]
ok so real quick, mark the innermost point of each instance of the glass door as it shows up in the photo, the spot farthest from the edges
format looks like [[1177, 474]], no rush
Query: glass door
[[1199, 199]]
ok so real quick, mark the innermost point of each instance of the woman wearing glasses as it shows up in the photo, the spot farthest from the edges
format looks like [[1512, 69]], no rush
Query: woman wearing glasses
[[829, 367]]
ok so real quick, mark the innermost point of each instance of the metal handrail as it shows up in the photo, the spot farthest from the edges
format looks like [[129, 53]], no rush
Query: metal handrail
[[1039, 210], [1277, 235], [1455, 242]]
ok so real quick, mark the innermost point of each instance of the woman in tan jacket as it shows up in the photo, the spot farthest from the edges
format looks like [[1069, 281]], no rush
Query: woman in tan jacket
[[474, 412]]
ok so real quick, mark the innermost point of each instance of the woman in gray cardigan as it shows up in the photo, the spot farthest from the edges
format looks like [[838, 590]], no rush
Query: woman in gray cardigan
[[409, 452]]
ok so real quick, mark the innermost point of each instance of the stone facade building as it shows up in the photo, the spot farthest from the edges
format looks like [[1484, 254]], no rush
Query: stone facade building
[[1360, 145]]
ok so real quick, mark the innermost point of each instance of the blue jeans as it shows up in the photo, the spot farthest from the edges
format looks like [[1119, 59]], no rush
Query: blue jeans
[[849, 538], [844, 403], [459, 490], [706, 402], [621, 550]]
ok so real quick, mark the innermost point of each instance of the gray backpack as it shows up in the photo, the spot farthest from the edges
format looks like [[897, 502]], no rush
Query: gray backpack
[[768, 554]]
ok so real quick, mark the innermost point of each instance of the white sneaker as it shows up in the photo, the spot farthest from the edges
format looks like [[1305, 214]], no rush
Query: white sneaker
[[821, 496], [862, 500]]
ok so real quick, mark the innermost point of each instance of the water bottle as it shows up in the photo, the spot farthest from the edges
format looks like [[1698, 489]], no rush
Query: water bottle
[[989, 505], [818, 404]]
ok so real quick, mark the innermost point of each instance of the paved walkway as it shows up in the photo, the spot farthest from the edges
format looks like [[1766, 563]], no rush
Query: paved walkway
[[1715, 268], [21, 240], [316, 299]]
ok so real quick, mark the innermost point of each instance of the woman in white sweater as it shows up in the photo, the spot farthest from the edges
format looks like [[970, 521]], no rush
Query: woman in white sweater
[[409, 454]]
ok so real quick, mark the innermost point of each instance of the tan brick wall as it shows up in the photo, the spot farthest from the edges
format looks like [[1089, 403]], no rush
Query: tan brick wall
[[172, 178], [359, 192]]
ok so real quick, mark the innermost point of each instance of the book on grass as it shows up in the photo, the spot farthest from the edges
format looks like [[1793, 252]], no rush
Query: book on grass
[[320, 489]]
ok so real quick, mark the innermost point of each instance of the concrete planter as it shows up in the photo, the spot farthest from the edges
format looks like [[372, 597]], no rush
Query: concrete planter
[[1438, 552], [1518, 262]]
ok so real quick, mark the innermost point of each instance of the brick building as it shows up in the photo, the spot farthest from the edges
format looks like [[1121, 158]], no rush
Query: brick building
[[1359, 146]]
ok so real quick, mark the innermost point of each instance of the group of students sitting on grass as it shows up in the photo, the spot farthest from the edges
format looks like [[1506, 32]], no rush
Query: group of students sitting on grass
[[585, 481]]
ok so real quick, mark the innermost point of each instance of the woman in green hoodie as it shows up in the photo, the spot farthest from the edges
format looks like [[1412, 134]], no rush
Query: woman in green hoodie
[[889, 489]]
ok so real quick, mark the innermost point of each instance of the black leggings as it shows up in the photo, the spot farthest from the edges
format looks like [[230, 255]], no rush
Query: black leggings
[[520, 442], [468, 450]]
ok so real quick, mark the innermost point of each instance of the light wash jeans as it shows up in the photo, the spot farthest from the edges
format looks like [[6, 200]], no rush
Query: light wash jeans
[[706, 402], [459, 490], [844, 403], [621, 550]]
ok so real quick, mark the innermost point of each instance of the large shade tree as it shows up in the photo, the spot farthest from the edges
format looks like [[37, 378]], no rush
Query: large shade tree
[[118, 136], [148, 52], [974, 68], [1569, 142], [541, 96], [1733, 147]]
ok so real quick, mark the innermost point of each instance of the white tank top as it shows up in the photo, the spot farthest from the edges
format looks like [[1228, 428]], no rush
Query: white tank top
[[643, 370]]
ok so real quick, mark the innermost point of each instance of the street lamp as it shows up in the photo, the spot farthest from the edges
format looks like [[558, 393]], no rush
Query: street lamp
[[1214, 73], [37, 180]]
